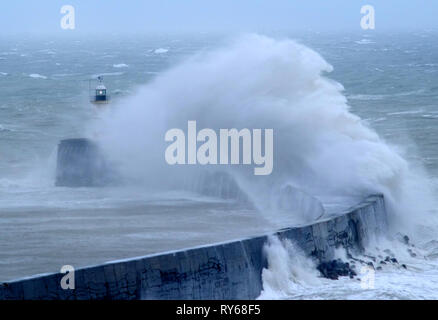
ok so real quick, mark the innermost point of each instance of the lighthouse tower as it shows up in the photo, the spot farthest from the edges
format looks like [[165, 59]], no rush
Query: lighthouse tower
[[100, 95], [80, 162]]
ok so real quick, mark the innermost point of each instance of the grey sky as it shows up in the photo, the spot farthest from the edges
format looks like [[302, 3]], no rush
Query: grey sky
[[160, 16]]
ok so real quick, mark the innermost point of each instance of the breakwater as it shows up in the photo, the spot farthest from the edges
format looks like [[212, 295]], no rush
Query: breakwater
[[229, 270]]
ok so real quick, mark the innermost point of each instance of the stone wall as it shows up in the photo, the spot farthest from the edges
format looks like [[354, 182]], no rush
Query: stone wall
[[230, 270]]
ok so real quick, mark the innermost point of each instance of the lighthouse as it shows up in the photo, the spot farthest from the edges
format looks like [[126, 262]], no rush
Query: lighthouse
[[80, 162], [100, 95]]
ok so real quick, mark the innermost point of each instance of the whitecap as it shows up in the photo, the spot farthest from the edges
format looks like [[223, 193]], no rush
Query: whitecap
[[120, 65], [61, 75], [95, 76], [430, 116], [37, 76], [366, 97], [364, 41], [4, 129], [405, 112], [161, 50], [383, 96], [378, 119]]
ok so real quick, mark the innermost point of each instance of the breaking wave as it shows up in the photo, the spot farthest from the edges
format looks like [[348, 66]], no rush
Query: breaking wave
[[320, 147]]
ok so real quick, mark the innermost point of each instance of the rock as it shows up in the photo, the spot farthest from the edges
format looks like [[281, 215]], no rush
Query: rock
[[406, 239], [370, 264], [411, 253], [357, 260], [404, 266], [382, 262], [370, 257], [379, 268], [394, 260], [335, 268]]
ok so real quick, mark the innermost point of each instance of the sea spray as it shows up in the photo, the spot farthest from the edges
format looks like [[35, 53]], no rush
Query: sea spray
[[289, 271], [321, 148]]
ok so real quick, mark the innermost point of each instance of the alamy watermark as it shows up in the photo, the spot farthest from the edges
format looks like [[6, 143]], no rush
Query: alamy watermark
[[368, 277], [368, 21], [68, 281], [207, 153], [68, 20]]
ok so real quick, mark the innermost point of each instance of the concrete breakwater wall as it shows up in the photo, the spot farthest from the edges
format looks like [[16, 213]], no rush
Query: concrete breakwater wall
[[230, 270]]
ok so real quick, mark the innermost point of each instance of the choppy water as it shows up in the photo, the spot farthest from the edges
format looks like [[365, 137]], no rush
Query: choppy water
[[389, 81]]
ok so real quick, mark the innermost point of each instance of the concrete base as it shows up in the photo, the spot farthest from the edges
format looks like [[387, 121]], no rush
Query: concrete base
[[229, 270], [80, 164]]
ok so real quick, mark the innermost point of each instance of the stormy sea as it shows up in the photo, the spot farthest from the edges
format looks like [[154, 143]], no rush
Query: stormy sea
[[352, 115]]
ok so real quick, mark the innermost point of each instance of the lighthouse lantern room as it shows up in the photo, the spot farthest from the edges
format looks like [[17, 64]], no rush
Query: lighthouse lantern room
[[100, 94]]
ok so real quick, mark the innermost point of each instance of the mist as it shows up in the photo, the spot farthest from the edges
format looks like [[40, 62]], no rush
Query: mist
[[196, 16]]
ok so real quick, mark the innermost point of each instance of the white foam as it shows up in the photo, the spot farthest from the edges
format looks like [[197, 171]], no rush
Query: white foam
[[384, 96], [37, 76], [95, 76], [161, 50], [364, 41], [289, 272], [120, 65], [259, 82], [405, 112]]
